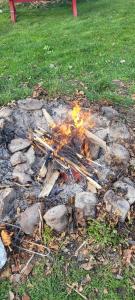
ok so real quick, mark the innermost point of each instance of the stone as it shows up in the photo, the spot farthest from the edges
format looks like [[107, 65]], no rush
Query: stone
[[119, 154], [116, 205], [30, 104], [102, 133], [22, 178], [86, 201], [3, 255], [7, 197], [118, 133], [30, 218], [2, 122], [18, 144], [18, 158], [30, 155], [109, 112], [127, 187], [5, 113], [57, 218], [94, 151], [23, 168]]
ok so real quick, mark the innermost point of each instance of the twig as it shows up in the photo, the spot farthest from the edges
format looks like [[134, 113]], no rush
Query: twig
[[80, 247], [25, 267], [80, 294], [34, 252]]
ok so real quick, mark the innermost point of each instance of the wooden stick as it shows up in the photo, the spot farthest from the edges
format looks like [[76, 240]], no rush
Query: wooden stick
[[49, 183], [73, 288], [48, 118], [96, 139]]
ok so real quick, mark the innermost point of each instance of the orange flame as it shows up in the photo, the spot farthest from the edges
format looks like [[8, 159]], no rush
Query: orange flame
[[74, 125]]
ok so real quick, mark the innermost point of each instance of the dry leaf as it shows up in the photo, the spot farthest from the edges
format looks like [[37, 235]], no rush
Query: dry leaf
[[11, 295], [127, 256], [6, 238], [133, 96], [25, 297], [87, 266]]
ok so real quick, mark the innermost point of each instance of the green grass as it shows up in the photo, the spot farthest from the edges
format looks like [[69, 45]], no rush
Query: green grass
[[49, 46], [53, 287], [103, 233]]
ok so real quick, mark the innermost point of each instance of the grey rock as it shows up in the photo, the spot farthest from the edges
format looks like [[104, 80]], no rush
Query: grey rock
[[119, 154], [5, 113], [127, 188], [70, 190], [87, 202], [30, 155], [119, 133], [18, 158], [94, 151], [109, 112], [7, 197], [102, 133], [30, 218], [22, 178], [57, 218], [30, 104], [2, 122], [116, 205], [23, 168], [3, 255], [123, 208], [18, 144]]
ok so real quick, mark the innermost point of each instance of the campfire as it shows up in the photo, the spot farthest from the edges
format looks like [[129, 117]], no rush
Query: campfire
[[66, 146], [60, 162]]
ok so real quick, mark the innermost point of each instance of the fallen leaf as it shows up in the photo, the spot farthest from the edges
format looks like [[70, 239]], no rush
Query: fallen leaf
[[25, 297], [127, 256], [6, 238], [11, 295], [87, 266], [133, 96]]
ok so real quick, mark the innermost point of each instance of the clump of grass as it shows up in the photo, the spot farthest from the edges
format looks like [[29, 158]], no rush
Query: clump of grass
[[103, 233], [47, 234]]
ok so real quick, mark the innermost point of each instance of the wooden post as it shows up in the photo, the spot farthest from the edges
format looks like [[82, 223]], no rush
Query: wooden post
[[74, 7], [12, 10]]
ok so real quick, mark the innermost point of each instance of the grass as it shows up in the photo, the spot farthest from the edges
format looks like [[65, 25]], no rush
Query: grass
[[49, 46], [102, 285]]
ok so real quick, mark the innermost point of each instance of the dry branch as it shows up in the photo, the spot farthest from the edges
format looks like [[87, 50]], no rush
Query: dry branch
[[49, 182]]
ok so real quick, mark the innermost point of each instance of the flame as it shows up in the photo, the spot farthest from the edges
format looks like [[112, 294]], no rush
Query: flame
[[74, 126]]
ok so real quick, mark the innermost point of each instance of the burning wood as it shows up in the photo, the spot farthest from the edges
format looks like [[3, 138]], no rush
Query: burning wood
[[61, 143]]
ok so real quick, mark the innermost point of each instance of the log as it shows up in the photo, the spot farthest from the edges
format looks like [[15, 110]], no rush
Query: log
[[96, 139], [49, 182], [48, 118]]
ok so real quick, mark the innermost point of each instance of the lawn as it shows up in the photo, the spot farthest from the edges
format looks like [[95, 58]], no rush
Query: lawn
[[49, 46]]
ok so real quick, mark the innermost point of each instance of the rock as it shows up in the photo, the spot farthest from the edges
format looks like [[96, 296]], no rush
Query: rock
[[30, 218], [18, 144], [30, 155], [30, 104], [94, 151], [7, 197], [116, 205], [3, 255], [18, 158], [127, 188], [23, 168], [119, 154], [118, 133], [123, 208], [5, 113], [22, 178], [102, 133], [109, 112], [2, 122], [57, 218], [86, 201]]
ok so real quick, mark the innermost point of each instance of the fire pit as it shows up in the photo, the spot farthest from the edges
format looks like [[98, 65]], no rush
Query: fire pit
[[55, 151]]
